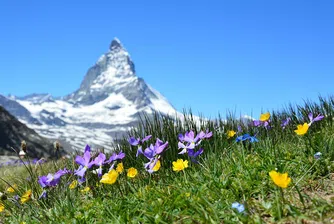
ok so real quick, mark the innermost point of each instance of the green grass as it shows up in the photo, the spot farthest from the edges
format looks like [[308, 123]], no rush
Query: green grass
[[203, 193]]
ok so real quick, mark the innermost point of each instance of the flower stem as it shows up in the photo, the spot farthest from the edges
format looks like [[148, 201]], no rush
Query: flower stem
[[278, 205], [303, 176]]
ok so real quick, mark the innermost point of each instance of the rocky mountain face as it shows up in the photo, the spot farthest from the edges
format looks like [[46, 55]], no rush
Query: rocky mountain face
[[114, 72], [106, 105], [12, 132]]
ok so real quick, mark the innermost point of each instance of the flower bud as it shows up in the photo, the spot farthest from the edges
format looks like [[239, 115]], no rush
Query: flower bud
[[24, 146]]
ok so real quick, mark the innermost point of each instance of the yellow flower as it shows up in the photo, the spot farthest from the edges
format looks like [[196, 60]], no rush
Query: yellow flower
[[132, 172], [11, 189], [2, 207], [187, 194], [265, 116], [230, 134], [85, 190], [280, 179], [74, 184], [26, 196], [157, 166], [120, 168], [180, 165], [110, 177], [302, 129]]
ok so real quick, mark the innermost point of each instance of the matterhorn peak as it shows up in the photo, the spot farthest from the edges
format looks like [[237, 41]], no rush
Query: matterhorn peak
[[115, 43], [107, 104]]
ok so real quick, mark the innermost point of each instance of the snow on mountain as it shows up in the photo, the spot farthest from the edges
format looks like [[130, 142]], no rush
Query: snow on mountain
[[106, 104]]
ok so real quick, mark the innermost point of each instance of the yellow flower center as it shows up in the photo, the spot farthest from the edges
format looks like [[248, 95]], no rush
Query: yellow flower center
[[157, 166], [73, 184], [26, 196], [120, 168]]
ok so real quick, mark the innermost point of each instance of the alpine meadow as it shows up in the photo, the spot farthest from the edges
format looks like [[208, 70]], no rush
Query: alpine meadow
[[167, 112], [278, 168]]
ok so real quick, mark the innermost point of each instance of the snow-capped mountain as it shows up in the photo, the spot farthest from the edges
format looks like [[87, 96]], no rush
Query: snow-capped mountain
[[106, 105]]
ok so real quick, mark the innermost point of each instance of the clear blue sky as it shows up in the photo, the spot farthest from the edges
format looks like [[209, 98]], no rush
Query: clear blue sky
[[212, 56]]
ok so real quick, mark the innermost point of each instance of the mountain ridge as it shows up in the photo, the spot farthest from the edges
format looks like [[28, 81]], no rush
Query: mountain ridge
[[107, 104], [12, 132]]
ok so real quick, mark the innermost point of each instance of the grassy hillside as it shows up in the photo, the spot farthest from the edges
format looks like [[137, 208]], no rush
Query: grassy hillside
[[229, 184]]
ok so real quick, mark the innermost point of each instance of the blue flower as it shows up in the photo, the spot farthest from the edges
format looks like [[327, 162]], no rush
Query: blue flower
[[238, 206], [246, 137], [317, 155]]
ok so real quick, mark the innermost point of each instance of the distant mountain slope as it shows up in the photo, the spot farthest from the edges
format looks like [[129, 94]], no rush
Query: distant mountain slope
[[106, 105], [12, 132]]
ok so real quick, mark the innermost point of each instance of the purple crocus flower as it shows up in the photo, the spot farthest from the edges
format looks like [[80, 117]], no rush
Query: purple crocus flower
[[139, 151], [34, 161], [285, 122], [153, 154], [317, 118], [239, 129], [43, 195], [190, 138], [16, 197], [150, 165], [115, 156], [258, 123], [84, 162], [203, 135], [208, 134], [181, 137], [53, 180], [87, 148], [192, 154], [160, 146], [183, 147], [42, 181], [152, 151], [67, 171], [133, 141], [81, 180], [99, 161]]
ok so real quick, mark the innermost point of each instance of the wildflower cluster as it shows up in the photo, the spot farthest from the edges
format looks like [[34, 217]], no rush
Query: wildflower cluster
[[303, 128], [263, 121], [153, 154], [96, 167]]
